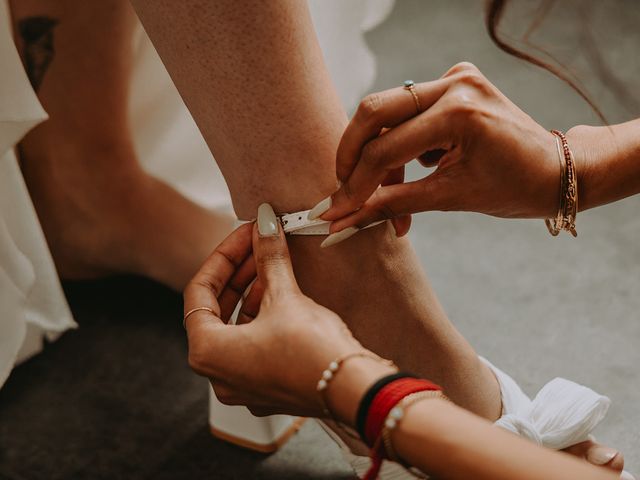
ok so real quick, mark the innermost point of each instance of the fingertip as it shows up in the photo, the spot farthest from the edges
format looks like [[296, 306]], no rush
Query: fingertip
[[401, 225], [271, 253], [339, 205]]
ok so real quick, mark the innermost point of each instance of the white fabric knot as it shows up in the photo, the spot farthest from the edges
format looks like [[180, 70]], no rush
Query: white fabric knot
[[562, 414], [520, 426]]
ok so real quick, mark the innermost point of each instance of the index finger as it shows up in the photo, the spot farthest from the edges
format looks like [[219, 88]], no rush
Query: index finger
[[383, 110], [427, 131], [207, 285]]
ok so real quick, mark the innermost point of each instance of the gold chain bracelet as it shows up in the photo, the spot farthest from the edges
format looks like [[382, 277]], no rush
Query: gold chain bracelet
[[568, 208]]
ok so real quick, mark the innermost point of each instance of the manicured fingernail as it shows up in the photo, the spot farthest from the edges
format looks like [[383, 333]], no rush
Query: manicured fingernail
[[267, 221], [339, 236], [601, 455], [319, 209], [626, 476]]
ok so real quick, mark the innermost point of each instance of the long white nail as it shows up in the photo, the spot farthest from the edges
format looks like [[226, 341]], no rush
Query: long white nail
[[319, 209], [339, 236], [267, 221], [626, 476]]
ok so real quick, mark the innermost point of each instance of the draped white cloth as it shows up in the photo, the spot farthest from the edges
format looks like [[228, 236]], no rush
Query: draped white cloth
[[31, 299], [562, 414]]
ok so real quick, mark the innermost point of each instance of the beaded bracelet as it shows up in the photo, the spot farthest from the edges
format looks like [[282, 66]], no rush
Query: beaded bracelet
[[329, 374]]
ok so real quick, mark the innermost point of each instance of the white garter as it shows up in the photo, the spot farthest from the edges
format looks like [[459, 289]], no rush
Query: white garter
[[562, 414], [298, 224]]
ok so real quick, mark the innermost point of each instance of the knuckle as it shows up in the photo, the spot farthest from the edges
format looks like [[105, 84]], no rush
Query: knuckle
[[188, 290], [386, 211], [197, 360], [370, 107], [226, 395], [473, 79], [461, 105], [347, 189], [461, 67], [272, 258], [372, 154]]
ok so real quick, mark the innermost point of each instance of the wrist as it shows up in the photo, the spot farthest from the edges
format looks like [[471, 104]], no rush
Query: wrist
[[592, 148], [350, 385]]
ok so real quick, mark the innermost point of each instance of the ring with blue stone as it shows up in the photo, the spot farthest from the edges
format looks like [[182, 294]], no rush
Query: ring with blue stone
[[410, 86]]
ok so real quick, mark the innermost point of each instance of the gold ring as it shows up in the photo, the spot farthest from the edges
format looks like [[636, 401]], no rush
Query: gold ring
[[410, 86], [194, 310]]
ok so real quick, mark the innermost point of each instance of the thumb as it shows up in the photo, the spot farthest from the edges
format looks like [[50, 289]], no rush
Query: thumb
[[273, 263]]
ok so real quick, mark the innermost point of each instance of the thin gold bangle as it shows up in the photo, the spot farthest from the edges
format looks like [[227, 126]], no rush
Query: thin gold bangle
[[555, 226], [396, 415]]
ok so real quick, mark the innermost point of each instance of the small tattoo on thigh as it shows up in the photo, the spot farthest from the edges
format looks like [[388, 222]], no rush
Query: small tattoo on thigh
[[37, 35]]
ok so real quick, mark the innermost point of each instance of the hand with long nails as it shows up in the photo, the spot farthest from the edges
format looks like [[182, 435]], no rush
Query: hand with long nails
[[272, 359], [490, 157]]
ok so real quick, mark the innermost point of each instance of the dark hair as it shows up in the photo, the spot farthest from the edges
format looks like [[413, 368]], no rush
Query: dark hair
[[495, 10]]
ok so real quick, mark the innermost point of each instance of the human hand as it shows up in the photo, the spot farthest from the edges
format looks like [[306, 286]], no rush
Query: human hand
[[273, 358], [490, 156]]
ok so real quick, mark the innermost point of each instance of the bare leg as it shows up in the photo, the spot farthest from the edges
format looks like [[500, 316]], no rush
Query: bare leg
[[252, 75], [100, 212]]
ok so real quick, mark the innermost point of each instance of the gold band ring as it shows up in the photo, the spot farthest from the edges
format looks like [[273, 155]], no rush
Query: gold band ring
[[410, 86], [194, 310]]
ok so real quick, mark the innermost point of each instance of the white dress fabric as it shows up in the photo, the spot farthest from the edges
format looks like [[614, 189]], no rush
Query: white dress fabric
[[32, 304], [562, 414], [31, 298]]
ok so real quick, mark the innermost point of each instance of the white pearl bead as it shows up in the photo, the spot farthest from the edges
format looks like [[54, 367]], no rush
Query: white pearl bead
[[396, 413], [390, 423], [327, 375], [333, 366], [322, 384]]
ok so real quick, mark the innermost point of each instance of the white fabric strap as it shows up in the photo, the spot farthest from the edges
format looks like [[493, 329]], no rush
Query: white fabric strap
[[298, 224], [562, 414]]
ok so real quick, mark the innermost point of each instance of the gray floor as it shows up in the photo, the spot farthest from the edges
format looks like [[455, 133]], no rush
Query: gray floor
[[116, 400]]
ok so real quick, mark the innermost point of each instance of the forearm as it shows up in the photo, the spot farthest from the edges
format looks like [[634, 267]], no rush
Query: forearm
[[444, 440], [608, 162], [449, 442]]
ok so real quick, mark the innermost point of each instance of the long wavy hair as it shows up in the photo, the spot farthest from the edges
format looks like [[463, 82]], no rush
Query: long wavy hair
[[494, 13]]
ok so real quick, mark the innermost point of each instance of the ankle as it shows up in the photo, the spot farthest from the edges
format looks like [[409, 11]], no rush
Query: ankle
[[376, 284]]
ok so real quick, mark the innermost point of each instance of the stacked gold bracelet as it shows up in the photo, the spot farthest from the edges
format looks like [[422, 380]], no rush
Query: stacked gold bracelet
[[568, 209]]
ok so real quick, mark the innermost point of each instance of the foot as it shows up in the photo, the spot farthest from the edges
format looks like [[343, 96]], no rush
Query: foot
[[102, 215]]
